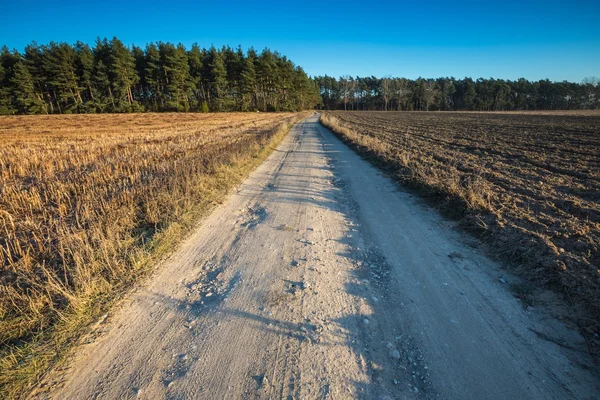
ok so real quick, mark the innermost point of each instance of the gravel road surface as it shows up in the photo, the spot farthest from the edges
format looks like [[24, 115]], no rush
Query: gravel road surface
[[321, 278]]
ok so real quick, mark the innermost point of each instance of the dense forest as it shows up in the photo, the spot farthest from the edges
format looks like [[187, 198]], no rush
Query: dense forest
[[111, 77], [371, 93]]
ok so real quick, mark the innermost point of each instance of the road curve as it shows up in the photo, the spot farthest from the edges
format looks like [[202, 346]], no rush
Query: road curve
[[320, 278]]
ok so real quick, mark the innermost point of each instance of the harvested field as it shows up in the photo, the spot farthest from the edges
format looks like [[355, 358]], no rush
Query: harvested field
[[87, 201], [528, 183]]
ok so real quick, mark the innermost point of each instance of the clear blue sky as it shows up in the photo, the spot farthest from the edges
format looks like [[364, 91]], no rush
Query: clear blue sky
[[559, 40]]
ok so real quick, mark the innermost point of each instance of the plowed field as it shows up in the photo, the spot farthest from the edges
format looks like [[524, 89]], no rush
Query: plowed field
[[527, 182]]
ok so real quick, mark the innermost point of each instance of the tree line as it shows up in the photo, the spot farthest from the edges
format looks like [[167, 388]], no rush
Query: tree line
[[447, 94], [112, 77]]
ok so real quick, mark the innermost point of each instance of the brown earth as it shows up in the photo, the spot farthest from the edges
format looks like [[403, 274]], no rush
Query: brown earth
[[529, 183]]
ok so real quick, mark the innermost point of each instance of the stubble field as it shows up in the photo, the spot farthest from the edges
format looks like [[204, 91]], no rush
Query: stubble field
[[87, 201], [528, 183]]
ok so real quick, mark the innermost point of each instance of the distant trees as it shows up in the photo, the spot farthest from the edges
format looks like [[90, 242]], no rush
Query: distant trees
[[387, 93], [111, 77]]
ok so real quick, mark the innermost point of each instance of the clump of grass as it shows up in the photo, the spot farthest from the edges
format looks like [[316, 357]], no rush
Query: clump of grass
[[87, 205]]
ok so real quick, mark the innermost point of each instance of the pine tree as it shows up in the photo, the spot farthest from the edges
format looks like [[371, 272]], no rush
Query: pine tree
[[101, 80], [176, 75], [103, 100], [284, 85], [218, 80], [182, 77], [122, 75], [5, 105], [153, 75], [195, 56], [233, 65], [303, 92], [23, 92], [33, 59], [248, 83], [59, 65], [7, 61], [85, 73], [140, 90], [265, 71]]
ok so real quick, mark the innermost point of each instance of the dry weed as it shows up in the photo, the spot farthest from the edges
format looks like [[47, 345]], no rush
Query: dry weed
[[86, 201]]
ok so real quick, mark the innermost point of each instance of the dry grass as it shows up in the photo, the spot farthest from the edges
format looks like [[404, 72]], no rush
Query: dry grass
[[86, 202], [528, 183]]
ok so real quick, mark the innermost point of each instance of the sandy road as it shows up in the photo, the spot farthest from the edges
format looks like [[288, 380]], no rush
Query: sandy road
[[319, 278]]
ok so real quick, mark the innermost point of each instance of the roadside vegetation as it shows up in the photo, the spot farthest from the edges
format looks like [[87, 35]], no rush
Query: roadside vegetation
[[89, 204], [528, 183]]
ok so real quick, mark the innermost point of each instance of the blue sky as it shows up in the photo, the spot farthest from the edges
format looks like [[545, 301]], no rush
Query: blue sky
[[559, 40]]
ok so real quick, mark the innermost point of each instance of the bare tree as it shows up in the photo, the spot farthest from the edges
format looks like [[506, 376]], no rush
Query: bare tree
[[431, 91], [347, 85], [400, 92], [352, 91], [385, 89]]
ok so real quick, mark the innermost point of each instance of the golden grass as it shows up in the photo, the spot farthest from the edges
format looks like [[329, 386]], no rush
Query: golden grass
[[89, 203]]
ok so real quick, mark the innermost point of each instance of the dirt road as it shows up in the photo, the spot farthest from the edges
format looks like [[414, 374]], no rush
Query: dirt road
[[319, 278]]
